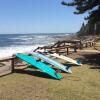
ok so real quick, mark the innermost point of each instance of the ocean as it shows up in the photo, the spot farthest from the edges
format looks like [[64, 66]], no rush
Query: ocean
[[19, 43]]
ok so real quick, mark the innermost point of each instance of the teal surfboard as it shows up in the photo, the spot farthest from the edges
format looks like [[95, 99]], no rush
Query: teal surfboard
[[40, 65], [52, 62]]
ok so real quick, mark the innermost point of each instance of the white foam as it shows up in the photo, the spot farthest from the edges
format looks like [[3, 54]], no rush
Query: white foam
[[19, 38], [9, 51]]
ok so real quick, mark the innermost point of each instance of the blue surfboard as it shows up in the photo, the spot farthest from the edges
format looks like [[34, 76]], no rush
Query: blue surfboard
[[40, 65], [52, 62]]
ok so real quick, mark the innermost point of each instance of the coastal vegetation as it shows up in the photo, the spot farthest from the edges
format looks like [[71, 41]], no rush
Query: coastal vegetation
[[92, 7], [88, 29]]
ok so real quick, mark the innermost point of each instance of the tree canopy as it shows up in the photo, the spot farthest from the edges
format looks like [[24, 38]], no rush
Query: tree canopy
[[82, 6]]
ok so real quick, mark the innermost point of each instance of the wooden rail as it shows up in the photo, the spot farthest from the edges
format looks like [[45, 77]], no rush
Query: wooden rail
[[7, 69], [56, 47], [67, 44]]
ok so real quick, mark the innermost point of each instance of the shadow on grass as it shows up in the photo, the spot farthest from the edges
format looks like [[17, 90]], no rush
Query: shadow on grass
[[55, 68], [92, 59], [96, 67], [34, 73], [70, 65]]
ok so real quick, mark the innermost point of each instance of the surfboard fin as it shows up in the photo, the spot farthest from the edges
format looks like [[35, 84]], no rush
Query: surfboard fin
[[69, 69], [79, 62]]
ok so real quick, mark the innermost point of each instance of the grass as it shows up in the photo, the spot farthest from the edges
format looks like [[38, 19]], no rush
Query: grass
[[82, 84], [97, 45], [31, 84]]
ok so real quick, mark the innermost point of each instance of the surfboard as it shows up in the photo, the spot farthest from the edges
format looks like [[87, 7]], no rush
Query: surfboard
[[52, 62], [40, 65], [77, 62]]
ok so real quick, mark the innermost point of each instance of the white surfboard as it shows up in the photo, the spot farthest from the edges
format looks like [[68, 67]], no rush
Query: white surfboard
[[52, 62], [77, 62]]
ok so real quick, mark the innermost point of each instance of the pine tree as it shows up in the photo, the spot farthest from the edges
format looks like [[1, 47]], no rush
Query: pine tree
[[82, 6], [82, 30]]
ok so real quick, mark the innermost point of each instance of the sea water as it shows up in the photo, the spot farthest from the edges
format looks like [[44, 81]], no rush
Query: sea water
[[19, 43]]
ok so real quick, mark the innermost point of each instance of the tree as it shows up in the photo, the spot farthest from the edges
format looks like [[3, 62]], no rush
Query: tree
[[87, 29], [82, 6], [82, 30]]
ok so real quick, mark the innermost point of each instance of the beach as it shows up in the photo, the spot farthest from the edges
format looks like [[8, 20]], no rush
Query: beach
[[29, 83]]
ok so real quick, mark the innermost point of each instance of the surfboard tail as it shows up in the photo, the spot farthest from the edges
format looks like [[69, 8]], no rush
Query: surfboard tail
[[58, 76], [79, 62], [69, 69]]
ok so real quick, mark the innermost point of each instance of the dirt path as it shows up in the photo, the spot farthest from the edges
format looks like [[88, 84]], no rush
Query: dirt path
[[94, 51]]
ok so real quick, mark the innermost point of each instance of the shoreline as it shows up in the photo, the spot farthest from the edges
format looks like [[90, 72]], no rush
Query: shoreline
[[28, 46], [31, 48], [20, 49]]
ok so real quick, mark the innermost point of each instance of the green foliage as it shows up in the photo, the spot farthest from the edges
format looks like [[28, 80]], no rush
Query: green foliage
[[98, 28], [91, 6], [82, 6], [89, 29]]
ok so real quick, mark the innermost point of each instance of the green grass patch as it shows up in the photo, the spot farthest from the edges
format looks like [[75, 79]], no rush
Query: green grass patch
[[82, 84]]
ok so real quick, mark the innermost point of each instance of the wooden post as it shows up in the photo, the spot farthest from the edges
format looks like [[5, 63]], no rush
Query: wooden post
[[57, 51], [86, 44], [67, 50], [81, 45], [75, 49], [90, 44], [12, 65]]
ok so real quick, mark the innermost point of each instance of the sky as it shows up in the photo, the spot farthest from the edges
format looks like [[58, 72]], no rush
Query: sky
[[38, 16]]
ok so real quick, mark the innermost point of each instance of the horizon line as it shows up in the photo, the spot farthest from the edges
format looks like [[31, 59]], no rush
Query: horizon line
[[43, 33]]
